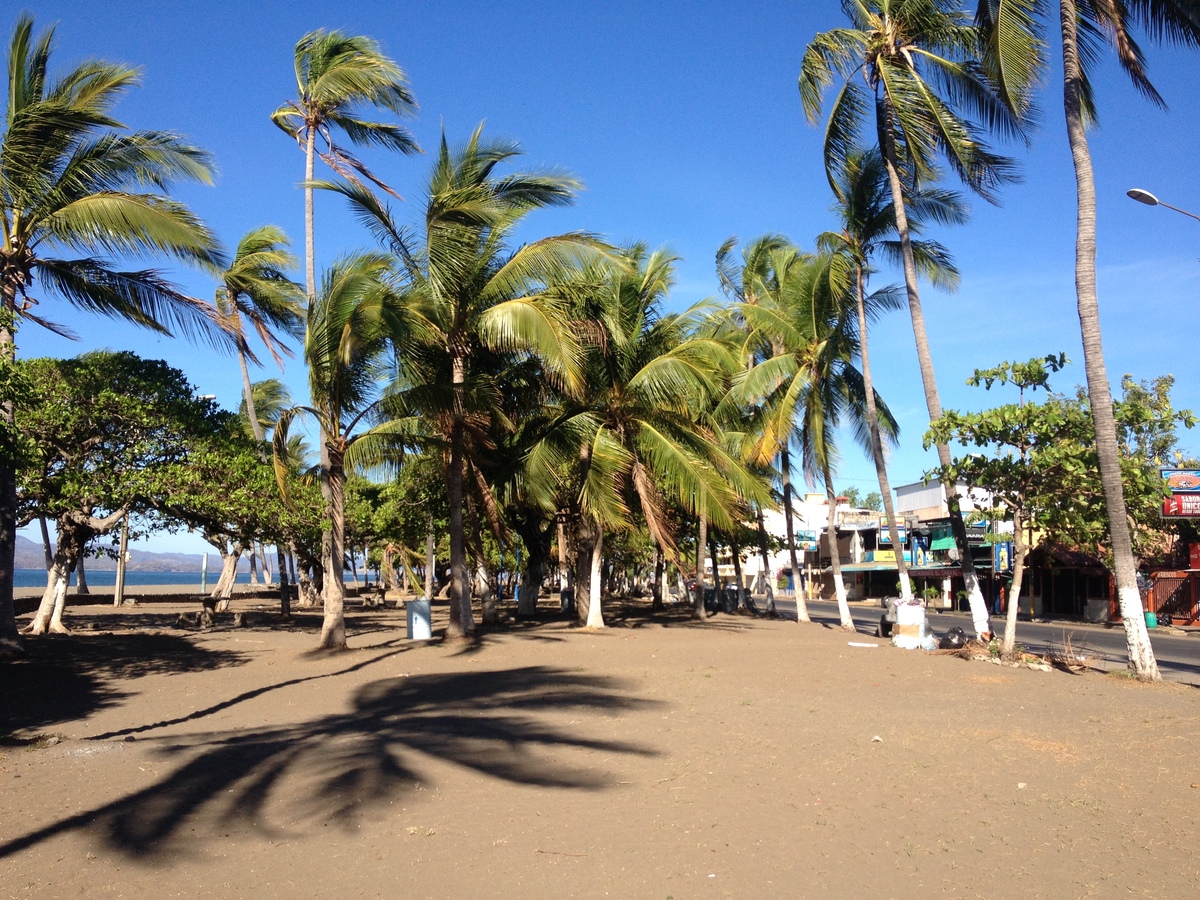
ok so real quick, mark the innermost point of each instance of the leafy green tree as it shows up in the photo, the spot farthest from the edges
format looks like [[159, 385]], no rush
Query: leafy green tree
[[469, 299], [99, 434], [336, 75], [1015, 50], [1028, 472], [1043, 466], [74, 180], [916, 64], [350, 324]]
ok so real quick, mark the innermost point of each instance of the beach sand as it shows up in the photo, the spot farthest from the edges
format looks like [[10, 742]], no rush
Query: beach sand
[[657, 758]]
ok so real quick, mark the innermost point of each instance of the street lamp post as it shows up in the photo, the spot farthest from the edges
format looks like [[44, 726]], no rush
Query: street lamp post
[[1149, 199]]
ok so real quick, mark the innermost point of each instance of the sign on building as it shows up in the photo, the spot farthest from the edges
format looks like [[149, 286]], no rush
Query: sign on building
[[1184, 502]]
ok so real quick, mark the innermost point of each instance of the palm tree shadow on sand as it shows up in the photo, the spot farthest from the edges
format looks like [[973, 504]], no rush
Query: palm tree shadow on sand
[[337, 768]]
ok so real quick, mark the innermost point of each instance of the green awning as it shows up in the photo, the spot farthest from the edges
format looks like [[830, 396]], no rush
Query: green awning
[[942, 538]]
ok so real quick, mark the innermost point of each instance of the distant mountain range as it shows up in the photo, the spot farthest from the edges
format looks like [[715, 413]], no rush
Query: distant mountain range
[[30, 556]]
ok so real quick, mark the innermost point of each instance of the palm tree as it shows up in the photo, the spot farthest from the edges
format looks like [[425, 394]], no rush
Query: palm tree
[[868, 222], [1014, 49], [652, 381], [336, 74], [770, 269], [350, 324], [74, 180], [255, 288], [469, 298], [810, 386], [916, 63]]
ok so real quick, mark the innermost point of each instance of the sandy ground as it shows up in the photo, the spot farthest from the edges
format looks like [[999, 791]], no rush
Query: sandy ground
[[656, 758]]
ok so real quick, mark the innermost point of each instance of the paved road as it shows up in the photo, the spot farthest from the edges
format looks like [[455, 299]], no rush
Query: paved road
[[1178, 656]]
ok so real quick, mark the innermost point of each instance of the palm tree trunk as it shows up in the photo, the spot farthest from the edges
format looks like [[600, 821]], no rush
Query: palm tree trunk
[[595, 616], [885, 488], [656, 592], [736, 553], [461, 620], [10, 640], [1137, 639], [430, 561], [835, 557], [333, 590], [248, 392], [766, 563], [698, 610], [933, 403], [785, 473], [310, 251]]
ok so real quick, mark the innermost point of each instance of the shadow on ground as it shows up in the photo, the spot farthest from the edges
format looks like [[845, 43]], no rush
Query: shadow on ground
[[71, 676], [336, 768]]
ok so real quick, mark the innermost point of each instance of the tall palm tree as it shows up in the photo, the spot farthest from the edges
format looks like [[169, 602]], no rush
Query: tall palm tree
[[1015, 51], [916, 64], [336, 75], [468, 297], [770, 274], [810, 386], [349, 328], [868, 223], [73, 180], [255, 289]]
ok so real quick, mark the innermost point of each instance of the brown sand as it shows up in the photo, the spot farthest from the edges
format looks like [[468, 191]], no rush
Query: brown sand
[[656, 758]]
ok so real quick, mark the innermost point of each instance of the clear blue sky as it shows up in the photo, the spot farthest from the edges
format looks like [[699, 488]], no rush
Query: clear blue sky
[[684, 122]]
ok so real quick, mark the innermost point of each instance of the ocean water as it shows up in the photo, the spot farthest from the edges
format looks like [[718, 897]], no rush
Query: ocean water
[[107, 578]]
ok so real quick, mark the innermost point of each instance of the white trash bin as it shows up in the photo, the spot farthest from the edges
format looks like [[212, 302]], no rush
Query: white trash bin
[[419, 620]]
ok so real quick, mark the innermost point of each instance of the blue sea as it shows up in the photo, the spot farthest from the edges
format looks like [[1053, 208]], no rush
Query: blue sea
[[24, 578]]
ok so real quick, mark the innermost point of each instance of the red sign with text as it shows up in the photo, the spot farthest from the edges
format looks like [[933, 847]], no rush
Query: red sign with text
[[1181, 506]]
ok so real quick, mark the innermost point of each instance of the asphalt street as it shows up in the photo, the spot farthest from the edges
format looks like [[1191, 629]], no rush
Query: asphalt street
[[1178, 655]]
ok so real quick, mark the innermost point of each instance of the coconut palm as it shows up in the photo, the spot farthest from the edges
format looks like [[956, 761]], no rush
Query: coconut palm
[[770, 269], [868, 223], [651, 383], [810, 386], [1015, 50], [916, 64], [255, 289], [349, 327], [469, 298], [76, 186], [336, 75]]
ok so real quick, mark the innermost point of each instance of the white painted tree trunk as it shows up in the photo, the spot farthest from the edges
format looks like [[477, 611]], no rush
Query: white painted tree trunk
[[595, 618], [835, 561]]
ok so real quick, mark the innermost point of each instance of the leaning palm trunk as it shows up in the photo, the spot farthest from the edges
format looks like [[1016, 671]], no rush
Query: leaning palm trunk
[[933, 403], [333, 486], [835, 556], [310, 250], [786, 473], [1137, 639], [885, 488]]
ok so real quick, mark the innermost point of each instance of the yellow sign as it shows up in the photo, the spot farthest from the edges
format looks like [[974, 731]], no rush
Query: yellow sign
[[885, 556]]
